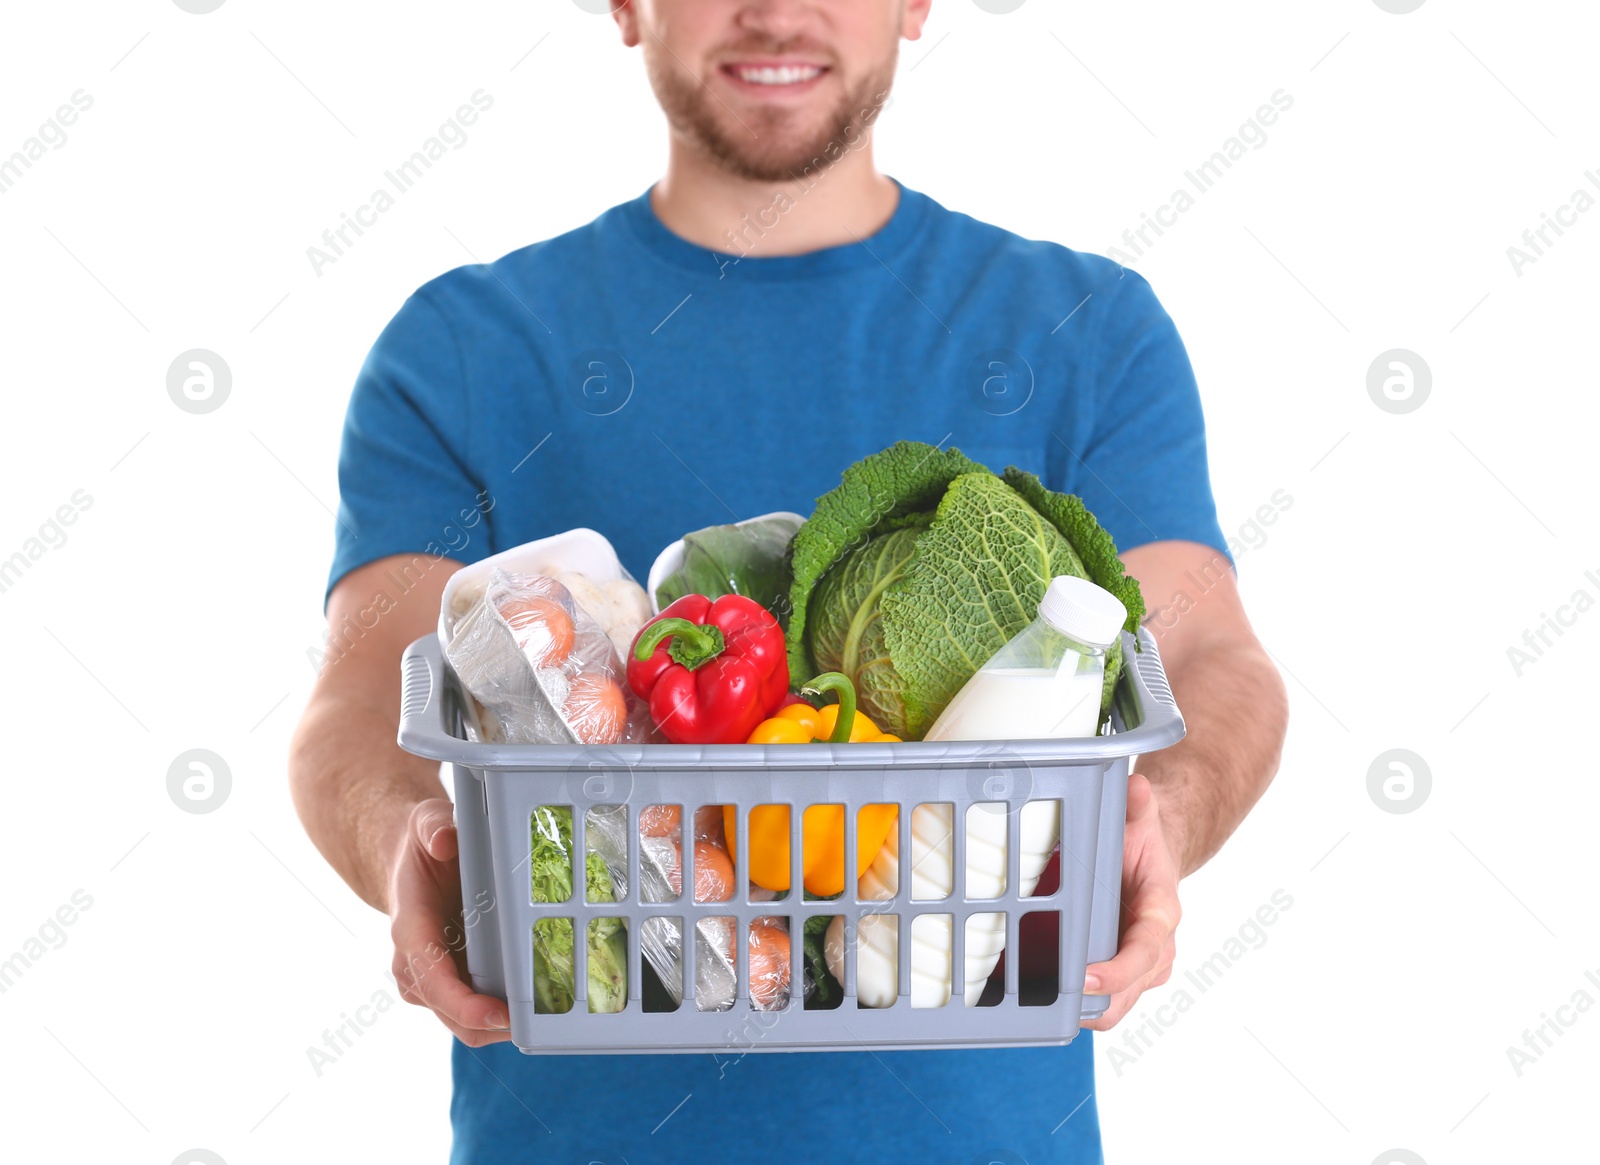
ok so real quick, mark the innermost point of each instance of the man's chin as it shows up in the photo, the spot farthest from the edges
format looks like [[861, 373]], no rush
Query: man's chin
[[768, 169], [766, 141], [766, 160]]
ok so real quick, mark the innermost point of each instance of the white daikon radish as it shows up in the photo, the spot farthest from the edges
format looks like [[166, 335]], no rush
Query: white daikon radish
[[932, 877]]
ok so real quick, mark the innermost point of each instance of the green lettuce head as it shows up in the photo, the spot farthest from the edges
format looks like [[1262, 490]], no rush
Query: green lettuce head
[[922, 564]]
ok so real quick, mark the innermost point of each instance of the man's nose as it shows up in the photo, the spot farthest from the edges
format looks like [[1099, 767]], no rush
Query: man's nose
[[778, 20]]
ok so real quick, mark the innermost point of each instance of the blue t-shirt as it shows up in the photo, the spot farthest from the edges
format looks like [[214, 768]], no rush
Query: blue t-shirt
[[623, 378]]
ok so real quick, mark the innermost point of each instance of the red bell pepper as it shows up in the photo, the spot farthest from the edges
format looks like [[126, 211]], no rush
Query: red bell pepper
[[710, 670]]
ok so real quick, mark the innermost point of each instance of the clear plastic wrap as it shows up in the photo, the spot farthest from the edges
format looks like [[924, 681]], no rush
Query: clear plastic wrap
[[539, 666], [661, 880], [619, 605], [714, 981], [715, 985], [661, 940], [769, 964], [605, 867]]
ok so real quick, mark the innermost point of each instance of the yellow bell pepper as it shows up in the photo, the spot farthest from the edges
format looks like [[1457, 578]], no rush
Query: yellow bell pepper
[[823, 825], [823, 839], [794, 724], [834, 724], [803, 724], [863, 731]]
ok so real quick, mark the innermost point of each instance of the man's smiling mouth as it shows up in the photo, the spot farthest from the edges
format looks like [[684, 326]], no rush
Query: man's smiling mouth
[[775, 76]]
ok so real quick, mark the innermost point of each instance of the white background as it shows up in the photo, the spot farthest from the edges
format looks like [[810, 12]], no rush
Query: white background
[[180, 610]]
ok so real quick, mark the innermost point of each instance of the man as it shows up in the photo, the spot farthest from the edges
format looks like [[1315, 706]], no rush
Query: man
[[771, 310]]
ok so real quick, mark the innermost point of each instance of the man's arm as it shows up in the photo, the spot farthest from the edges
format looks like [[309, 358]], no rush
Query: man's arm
[[1186, 800], [379, 815], [1231, 696]]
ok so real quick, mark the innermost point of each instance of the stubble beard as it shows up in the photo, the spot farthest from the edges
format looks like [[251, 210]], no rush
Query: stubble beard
[[763, 146]]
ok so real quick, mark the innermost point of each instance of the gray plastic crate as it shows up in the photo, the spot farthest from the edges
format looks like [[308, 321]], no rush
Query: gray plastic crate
[[497, 788]]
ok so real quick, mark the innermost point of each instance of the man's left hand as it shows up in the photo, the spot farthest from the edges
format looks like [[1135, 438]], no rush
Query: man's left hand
[[1150, 911]]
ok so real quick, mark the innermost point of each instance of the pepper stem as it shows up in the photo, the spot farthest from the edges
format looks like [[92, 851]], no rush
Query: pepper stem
[[693, 644], [837, 681]]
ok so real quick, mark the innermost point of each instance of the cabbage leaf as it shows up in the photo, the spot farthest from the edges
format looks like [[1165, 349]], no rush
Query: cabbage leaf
[[922, 564]]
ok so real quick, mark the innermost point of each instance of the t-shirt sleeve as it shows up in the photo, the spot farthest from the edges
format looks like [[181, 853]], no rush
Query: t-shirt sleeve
[[406, 484], [1142, 468]]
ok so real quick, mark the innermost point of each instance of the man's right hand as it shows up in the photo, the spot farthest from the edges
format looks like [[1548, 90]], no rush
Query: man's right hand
[[428, 929], [379, 815]]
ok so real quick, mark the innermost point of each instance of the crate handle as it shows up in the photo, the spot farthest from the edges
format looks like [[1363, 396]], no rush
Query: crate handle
[[424, 730], [1145, 716], [1145, 709]]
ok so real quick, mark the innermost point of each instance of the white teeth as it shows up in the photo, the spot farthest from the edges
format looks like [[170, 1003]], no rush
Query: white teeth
[[788, 75]]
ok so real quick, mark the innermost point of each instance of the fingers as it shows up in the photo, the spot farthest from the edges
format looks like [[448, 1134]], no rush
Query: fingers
[[471, 1036], [424, 898], [1116, 1010], [1141, 798], [476, 1020], [1164, 970], [1146, 940], [475, 1037], [1148, 949], [1136, 960], [428, 976], [1121, 1002], [433, 825]]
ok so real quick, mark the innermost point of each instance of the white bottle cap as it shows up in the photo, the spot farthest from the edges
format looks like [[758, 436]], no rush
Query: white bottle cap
[[1078, 608]]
